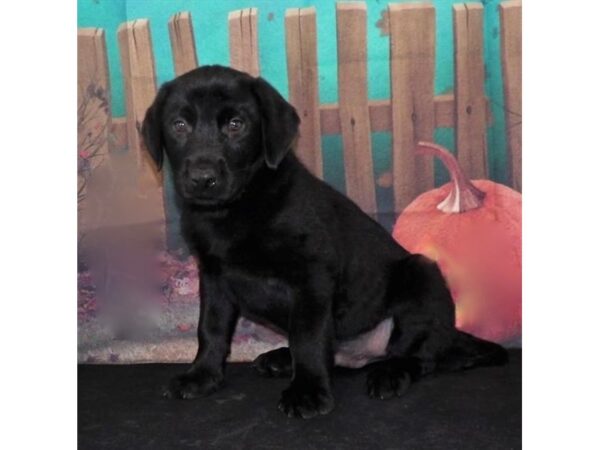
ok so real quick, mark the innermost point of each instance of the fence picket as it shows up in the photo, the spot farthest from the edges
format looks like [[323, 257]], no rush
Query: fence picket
[[181, 34], [510, 34], [94, 126], [353, 103], [470, 107], [137, 61], [412, 112], [412, 68], [243, 41], [381, 114], [92, 72], [303, 80]]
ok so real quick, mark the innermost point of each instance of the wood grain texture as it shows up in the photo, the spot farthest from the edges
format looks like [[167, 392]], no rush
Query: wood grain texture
[[470, 108], [380, 113], [92, 73], [92, 60], [119, 134], [354, 105], [94, 125], [412, 69], [127, 161], [183, 46], [243, 41], [137, 62], [510, 41], [303, 82]]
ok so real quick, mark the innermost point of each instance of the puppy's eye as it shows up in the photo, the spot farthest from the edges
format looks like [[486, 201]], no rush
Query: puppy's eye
[[235, 124], [179, 126]]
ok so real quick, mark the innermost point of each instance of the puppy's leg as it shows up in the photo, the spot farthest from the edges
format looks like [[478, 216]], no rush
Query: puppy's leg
[[276, 363], [424, 339], [310, 336], [413, 352], [440, 352], [218, 316]]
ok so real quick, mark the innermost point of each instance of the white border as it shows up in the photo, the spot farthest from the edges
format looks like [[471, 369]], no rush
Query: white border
[[38, 185], [561, 189], [561, 225]]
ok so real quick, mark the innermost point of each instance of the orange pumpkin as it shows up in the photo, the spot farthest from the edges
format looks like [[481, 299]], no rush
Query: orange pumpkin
[[473, 230]]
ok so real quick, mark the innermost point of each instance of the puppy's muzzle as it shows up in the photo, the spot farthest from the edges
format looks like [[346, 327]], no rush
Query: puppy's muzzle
[[203, 179]]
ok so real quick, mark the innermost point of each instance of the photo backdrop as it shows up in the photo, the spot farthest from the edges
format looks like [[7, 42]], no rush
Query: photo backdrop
[[137, 283]]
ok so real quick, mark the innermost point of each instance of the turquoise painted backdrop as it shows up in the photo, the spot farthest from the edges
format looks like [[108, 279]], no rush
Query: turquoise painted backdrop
[[210, 27]]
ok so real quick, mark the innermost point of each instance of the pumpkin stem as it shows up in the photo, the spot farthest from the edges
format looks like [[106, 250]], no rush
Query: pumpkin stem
[[464, 195]]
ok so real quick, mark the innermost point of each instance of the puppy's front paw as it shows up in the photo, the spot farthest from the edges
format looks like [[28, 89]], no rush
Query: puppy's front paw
[[192, 385], [306, 400], [276, 363]]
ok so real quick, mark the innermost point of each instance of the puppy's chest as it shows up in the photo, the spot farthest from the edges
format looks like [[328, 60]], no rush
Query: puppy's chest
[[259, 251]]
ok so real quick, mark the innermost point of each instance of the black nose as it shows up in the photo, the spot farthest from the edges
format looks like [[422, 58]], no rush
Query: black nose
[[205, 177]]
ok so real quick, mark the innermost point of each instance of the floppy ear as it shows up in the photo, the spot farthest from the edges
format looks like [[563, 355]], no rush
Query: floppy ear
[[152, 127], [279, 122]]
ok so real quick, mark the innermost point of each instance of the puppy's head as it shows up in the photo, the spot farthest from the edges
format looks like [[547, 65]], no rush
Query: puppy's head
[[218, 128]]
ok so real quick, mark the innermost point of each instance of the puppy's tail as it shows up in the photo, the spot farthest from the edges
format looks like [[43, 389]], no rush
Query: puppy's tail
[[467, 351]]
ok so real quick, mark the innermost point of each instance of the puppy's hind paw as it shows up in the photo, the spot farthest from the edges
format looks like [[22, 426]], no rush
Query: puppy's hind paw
[[384, 383], [276, 363]]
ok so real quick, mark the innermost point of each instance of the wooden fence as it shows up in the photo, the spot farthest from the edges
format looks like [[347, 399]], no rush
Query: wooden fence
[[411, 114]]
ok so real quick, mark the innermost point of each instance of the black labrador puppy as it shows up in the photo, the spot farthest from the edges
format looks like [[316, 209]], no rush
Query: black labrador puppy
[[276, 243]]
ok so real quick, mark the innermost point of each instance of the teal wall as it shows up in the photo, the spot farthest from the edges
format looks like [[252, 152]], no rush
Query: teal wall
[[210, 27]]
